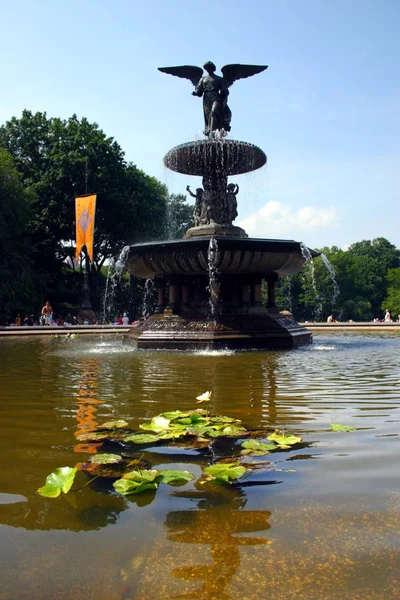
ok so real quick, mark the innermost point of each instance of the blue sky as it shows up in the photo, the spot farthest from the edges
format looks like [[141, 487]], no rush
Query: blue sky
[[326, 112]]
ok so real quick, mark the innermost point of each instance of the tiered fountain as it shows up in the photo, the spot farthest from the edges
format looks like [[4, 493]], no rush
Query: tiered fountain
[[209, 284]]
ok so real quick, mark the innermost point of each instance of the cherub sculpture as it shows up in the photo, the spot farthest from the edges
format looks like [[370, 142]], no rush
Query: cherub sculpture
[[231, 193], [198, 205], [215, 90]]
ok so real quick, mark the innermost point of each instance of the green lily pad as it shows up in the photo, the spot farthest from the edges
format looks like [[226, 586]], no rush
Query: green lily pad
[[105, 459], [170, 477], [284, 441], [141, 438], [60, 480], [114, 425], [127, 486], [347, 428], [140, 476], [174, 414], [233, 430], [223, 473], [256, 448]]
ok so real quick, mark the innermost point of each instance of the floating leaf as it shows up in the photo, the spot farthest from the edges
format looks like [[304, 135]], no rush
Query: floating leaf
[[141, 438], [174, 414], [233, 430], [347, 428], [114, 425], [170, 477], [205, 397], [105, 459], [140, 476], [223, 419], [60, 480], [92, 436], [225, 472], [127, 487], [284, 441], [256, 448]]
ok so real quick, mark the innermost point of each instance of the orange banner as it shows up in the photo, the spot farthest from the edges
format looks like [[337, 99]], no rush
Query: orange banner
[[85, 208]]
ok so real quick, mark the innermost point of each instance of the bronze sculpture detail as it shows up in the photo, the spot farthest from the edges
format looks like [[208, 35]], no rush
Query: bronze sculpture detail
[[214, 90]]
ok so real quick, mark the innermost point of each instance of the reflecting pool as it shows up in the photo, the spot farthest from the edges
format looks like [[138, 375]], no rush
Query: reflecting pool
[[317, 523]]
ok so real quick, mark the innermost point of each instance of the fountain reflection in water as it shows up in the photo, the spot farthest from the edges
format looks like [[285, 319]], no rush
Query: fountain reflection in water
[[115, 271]]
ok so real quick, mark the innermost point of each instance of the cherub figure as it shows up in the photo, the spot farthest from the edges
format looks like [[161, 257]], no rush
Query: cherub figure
[[232, 190], [197, 205]]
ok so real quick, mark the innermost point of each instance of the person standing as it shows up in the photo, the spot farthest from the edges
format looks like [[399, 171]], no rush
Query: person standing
[[47, 313], [388, 318], [18, 320], [125, 319]]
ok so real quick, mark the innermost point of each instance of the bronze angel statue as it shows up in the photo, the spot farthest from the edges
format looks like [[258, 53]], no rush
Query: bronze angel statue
[[214, 90]]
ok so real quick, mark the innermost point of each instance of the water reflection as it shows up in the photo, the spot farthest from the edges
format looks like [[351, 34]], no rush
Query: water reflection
[[87, 402], [221, 524]]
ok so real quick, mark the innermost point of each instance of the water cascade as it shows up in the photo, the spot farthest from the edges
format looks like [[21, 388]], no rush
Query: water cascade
[[332, 274], [116, 269], [309, 261], [148, 298], [213, 286]]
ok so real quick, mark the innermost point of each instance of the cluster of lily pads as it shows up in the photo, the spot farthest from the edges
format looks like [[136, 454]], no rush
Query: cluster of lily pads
[[196, 428]]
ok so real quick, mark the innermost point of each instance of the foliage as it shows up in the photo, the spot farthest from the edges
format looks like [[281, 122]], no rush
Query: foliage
[[60, 480], [224, 473], [179, 216], [19, 282], [392, 300], [346, 428], [256, 448]]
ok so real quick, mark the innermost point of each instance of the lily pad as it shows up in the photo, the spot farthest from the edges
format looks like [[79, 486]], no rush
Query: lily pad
[[60, 480], [121, 424], [127, 486], [256, 448], [171, 477], [284, 441], [140, 476], [223, 473], [141, 438], [346, 428], [105, 459]]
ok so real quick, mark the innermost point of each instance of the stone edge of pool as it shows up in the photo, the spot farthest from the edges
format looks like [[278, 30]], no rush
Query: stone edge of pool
[[118, 329]]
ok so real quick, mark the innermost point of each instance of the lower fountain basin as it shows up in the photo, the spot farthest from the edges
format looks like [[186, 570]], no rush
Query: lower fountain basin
[[235, 256], [230, 157]]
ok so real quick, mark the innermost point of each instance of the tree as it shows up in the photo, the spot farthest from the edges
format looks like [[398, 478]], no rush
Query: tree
[[60, 159], [179, 216], [392, 300], [19, 284]]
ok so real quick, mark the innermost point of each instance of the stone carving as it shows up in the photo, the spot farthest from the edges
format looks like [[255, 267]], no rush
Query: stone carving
[[213, 205], [214, 90]]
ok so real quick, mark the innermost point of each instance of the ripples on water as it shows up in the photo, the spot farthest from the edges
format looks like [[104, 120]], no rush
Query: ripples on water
[[322, 525]]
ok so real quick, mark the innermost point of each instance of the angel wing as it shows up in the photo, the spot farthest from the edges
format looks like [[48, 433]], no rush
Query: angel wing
[[233, 72], [186, 72]]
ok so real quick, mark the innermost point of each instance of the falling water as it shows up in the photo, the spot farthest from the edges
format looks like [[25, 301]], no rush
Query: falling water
[[332, 273], [114, 276], [305, 251], [288, 295], [213, 285], [148, 298]]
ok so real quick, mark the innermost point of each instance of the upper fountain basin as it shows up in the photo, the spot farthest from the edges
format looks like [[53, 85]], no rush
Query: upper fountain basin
[[201, 157], [235, 256]]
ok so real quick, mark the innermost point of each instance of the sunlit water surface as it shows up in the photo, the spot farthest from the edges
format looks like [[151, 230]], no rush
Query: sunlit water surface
[[319, 523]]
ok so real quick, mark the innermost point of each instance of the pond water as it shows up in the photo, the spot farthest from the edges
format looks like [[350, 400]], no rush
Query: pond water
[[317, 523]]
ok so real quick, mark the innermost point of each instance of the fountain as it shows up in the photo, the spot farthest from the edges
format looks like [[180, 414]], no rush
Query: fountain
[[216, 266]]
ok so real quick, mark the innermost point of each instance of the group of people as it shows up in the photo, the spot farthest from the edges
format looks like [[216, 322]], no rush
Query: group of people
[[387, 319], [46, 317]]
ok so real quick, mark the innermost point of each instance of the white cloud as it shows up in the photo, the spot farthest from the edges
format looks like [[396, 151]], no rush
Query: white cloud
[[275, 218]]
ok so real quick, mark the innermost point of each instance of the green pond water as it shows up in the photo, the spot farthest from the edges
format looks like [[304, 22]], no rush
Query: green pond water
[[320, 522]]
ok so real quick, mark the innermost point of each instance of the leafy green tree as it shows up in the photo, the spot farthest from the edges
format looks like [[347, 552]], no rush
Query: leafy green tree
[[392, 300], [20, 285], [60, 159], [179, 216]]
